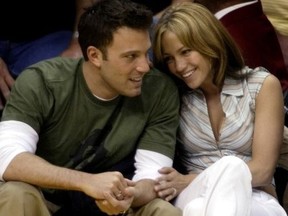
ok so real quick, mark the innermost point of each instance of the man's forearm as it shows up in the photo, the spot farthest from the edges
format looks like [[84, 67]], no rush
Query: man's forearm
[[29, 168], [145, 192]]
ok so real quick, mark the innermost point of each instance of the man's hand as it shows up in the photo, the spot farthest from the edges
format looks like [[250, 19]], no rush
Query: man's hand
[[6, 83], [116, 205], [112, 192]]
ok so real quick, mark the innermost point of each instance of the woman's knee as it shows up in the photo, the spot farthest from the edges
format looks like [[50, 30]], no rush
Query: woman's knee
[[232, 165], [233, 162]]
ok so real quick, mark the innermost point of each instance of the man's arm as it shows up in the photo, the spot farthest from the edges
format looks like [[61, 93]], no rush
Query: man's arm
[[144, 192], [147, 164], [19, 163]]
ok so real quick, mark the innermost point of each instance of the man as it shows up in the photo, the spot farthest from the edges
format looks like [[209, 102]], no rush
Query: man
[[71, 128]]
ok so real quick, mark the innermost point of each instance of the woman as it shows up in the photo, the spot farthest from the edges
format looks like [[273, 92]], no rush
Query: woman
[[231, 124]]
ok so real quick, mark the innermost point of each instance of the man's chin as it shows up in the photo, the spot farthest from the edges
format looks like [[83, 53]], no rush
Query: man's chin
[[133, 93]]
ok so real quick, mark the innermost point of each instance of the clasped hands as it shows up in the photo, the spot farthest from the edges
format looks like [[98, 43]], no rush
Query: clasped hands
[[115, 193]]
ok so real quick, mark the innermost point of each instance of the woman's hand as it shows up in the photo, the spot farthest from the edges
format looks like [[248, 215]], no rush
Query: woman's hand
[[171, 183]]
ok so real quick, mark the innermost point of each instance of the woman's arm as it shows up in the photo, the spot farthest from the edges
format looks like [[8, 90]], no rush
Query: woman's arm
[[268, 132]]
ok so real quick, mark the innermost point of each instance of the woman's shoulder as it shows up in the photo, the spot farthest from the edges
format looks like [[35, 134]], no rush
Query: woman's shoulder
[[253, 73], [259, 76]]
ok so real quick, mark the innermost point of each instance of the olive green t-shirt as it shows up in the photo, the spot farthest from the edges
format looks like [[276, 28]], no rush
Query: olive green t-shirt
[[53, 98]]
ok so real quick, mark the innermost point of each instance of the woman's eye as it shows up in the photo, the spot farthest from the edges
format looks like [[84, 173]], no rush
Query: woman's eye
[[186, 51], [168, 59]]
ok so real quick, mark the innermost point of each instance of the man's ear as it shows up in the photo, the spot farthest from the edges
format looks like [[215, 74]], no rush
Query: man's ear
[[95, 55]]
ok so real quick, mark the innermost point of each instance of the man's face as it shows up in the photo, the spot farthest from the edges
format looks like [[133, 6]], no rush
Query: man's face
[[127, 62]]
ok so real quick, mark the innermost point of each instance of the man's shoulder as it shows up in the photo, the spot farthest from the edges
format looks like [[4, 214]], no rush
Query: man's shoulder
[[51, 70], [158, 85], [158, 77]]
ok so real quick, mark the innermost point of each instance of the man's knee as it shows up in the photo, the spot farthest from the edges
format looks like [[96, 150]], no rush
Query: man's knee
[[19, 197], [17, 191], [158, 207]]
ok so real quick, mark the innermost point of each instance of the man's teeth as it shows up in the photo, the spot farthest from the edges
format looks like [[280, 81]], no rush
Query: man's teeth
[[136, 79]]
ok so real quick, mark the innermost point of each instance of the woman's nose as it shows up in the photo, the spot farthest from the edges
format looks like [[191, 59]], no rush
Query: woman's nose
[[180, 64]]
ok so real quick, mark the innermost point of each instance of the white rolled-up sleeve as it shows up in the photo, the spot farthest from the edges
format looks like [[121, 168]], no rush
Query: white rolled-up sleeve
[[15, 137], [147, 164]]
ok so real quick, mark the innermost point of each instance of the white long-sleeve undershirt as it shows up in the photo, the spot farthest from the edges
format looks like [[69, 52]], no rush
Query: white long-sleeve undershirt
[[17, 137]]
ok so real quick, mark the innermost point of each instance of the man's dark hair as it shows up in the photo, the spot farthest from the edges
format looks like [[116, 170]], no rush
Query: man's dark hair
[[99, 22]]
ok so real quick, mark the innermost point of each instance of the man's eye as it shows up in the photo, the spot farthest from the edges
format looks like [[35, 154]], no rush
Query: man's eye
[[132, 56]]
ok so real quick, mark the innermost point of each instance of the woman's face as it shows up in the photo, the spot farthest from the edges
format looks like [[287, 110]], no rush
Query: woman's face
[[187, 64]]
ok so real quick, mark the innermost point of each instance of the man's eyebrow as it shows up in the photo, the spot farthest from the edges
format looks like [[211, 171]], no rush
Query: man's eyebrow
[[134, 52]]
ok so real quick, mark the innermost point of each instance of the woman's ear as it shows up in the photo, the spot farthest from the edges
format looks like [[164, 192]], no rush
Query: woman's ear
[[95, 55]]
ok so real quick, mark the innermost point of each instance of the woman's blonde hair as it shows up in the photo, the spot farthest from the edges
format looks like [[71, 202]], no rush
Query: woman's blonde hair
[[197, 28]]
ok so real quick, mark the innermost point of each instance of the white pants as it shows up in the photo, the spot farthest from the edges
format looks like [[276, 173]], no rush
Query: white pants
[[224, 189]]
